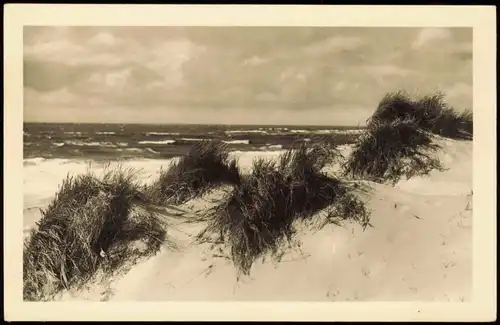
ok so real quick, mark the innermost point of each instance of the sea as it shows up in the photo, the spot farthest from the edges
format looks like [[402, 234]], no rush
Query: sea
[[163, 141]]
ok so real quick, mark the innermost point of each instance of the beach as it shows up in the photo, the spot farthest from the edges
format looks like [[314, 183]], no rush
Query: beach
[[254, 169], [418, 247]]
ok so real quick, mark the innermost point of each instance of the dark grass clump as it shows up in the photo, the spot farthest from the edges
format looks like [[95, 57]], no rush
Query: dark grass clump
[[204, 167], [387, 151], [430, 113], [258, 215], [90, 225]]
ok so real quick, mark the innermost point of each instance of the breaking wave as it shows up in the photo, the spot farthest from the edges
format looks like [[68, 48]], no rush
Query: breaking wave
[[106, 133], [89, 144], [161, 133], [157, 142]]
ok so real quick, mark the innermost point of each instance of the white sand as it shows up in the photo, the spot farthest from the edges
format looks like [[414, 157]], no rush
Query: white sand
[[419, 248]]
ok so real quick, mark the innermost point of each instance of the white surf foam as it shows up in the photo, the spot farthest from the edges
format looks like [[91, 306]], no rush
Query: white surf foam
[[106, 133], [272, 147], [162, 133], [89, 144], [74, 133], [237, 142], [151, 150], [245, 131], [157, 142], [327, 131]]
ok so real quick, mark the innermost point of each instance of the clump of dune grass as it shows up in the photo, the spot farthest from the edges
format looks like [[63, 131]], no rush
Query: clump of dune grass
[[430, 113], [92, 224], [204, 167], [388, 151], [257, 216]]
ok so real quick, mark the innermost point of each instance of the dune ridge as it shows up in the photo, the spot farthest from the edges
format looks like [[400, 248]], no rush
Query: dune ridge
[[342, 262], [413, 188]]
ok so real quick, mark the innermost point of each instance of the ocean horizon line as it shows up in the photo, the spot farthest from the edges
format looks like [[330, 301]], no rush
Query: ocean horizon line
[[198, 124]]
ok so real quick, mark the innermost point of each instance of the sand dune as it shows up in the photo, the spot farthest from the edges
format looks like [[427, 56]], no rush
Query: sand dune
[[419, 248]]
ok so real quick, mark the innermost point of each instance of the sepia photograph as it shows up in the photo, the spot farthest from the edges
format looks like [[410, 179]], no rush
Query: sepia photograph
[[248, 163]]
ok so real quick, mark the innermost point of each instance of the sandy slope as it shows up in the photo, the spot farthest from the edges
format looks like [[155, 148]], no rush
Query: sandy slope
[[419, 248]]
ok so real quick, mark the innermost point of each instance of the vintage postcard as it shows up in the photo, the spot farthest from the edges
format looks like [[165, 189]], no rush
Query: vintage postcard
[[250, 162]]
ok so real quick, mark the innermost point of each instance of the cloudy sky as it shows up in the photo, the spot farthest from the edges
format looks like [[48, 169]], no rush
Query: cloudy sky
[[240, 75]]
